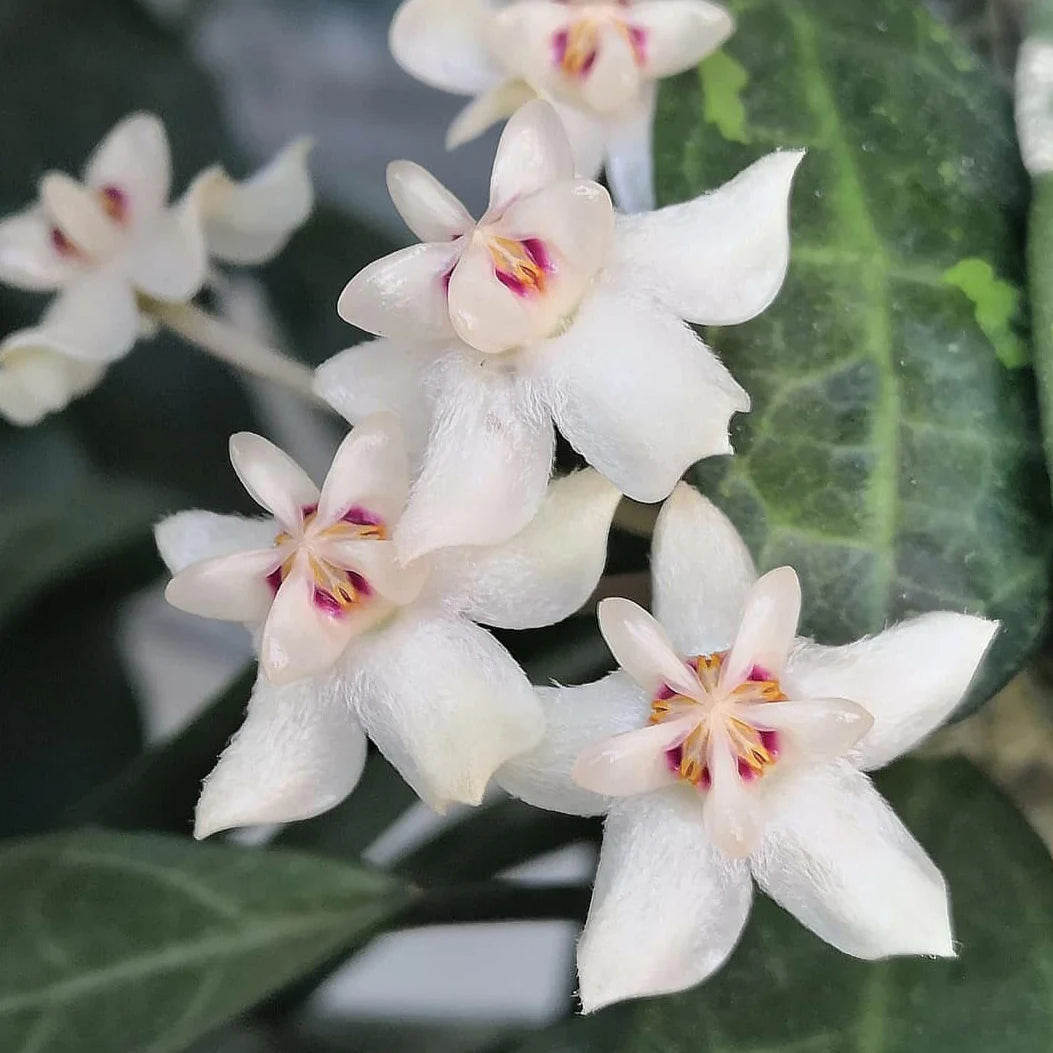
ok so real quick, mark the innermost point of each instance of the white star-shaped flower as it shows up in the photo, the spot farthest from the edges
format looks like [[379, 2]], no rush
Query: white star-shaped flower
[[597, 61], [728, 750], [112, 242], [354, 643], [551, 307]]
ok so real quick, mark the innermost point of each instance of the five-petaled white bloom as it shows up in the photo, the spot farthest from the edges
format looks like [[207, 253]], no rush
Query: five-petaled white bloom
[[597, 61], [354, 643], [112, 243], [551, 307], [730, 747]]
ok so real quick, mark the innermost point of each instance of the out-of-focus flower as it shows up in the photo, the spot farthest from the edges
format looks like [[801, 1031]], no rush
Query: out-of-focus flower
[[111, 243], [726, 747], [598, 61], [551, 307], [353, 643]]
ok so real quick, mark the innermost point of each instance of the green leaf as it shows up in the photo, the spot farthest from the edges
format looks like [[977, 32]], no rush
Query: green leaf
[[159, 789], [784, 991], [1040, 282], [138, 942], [890, 455]]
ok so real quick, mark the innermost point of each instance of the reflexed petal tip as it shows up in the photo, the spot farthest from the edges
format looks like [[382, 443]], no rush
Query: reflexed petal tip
[[36, 380]]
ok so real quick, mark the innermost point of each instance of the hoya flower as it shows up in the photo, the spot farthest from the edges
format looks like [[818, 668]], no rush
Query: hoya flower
[[551, 308], [727, 750], [111, 243], [353, 643], [598, 61]]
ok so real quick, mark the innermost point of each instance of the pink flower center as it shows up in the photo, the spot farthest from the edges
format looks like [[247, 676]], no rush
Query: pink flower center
[[522, 266], [115, 203], [574, 49]]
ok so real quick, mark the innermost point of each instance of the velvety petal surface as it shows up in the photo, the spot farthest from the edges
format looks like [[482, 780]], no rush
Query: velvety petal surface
[[232, 587], [426, 206], [533, 152], [767, 630], [273, 479]]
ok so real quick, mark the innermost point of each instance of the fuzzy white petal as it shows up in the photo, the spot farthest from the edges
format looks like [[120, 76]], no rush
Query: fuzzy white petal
[[909, 678], [232, 587], [443, 43], [191, 536], [702, 573], [643, 649], [403, 295], [94, 319], [630, 165], [426, 206], [487, 464], [680, 33], [487, 109], [767, 631], [837, 858], [544, 573], [632, 762], [28, 256], [299, 753], [250, 221], [378, 376], [667, 908], [273, 479], [370, 470], [636, 392], [445, 702], [575, 719], [721, 258], [36, 381], [533, 152], [134, 158]]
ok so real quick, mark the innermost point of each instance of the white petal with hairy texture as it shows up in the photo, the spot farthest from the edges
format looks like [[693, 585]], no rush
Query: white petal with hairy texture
[[273, 479], [733, 811], [299, 753], [443, 43], [369, 470], [642, 648], [28, 257], [701, 572], [680, 33], [444, 702], [575, 719], [721, 258], [533, 152], [612, 85], [36, 381], [232, 588], [79, 214], [134, 158], [299, 638], [910, 678], [767, 630], [94, 319], [167, 259], [426, 206], [821, 728], [630, 164], [250, 221], [635, 392], [191, 536], [633, 762], [487, 109], [487, 465], [403, 295], [836, 857], [667, 909], [543, 574]]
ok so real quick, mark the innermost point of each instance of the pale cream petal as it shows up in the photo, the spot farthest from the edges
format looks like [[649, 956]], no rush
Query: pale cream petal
[[767, 630], [426, 206], [233, 587], [273, 479], [134, 159], [533, 152]]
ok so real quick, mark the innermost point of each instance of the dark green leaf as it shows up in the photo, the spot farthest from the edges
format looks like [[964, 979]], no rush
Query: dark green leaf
[[159, 789], [135, 942], [785, 991], [890, 455]]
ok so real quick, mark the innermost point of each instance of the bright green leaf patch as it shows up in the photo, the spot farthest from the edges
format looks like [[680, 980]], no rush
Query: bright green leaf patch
[[997, 305], [890, 456], [784, 991], [121, 942], [723, 79]]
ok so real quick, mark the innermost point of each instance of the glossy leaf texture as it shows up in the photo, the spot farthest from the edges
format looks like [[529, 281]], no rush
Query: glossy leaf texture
[[136, 942], [784, 990], [892, 454]]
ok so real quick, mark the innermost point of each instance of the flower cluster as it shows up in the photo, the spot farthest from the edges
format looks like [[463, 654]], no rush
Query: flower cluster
[[726, 749]]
